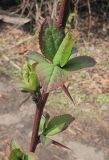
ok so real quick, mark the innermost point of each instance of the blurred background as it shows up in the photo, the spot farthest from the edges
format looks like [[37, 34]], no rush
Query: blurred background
[[88, 135]]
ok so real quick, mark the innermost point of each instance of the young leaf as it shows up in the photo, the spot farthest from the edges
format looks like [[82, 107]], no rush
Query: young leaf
[[41, 126], [47, 117], [37, 57], [16, 154], [65, 49], [43, 123], [50, 76], [50, 38], [33, 81], [58, 124], [24, 88], [30, 77], [79, 63]]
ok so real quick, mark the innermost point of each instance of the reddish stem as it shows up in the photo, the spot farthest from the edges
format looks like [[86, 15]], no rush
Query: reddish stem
[[64, 13], [37, 117], [62, 19]]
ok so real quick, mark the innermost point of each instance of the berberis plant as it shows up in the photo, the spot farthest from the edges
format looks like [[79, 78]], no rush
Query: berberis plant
[[49, 71]]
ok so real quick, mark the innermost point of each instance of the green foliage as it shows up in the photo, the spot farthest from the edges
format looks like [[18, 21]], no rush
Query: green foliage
[[58, 124], [80, 62], [50, 71], [65, 49], [37, 57], [50, 76], [54, 126], [31, 82], [47, 117], [58, 49], [45, 73], [30, 77], [50, 38], [54, 74], [18, 154], [24, 88], [43, 123], [41, 126]]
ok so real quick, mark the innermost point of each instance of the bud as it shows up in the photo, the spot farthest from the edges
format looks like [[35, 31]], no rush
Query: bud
[[30, 77]]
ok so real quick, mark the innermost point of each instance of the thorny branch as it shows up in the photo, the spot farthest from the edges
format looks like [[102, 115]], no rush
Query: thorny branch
[[63, 15]]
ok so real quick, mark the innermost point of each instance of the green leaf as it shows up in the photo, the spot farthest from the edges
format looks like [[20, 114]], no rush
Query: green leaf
[[24, 88], [37, 57], [30, 77], [47, 117], [79, 63], [16, 154], [43, 123], [65, 49], [58, 124], [33, 81], [50, 38], [51, 77], [41, 126]]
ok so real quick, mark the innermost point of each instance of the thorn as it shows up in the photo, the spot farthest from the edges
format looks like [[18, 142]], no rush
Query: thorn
[[61, 145], [65, 89]]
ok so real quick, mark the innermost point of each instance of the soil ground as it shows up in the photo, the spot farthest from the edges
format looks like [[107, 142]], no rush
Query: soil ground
[[88, 135]]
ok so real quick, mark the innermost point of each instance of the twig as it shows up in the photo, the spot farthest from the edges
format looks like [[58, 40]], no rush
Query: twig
[[89, 17], [11, 62]]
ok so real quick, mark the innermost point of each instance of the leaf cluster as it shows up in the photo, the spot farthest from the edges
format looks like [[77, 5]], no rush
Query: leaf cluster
[[50, 127], [54, 67], [18, 154], [49, 71]]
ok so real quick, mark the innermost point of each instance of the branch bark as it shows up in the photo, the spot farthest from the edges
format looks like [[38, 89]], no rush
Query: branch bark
[[39, 110], [64, 13]]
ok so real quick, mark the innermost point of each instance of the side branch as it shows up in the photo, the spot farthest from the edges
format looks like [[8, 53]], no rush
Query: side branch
[[64, 13]]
